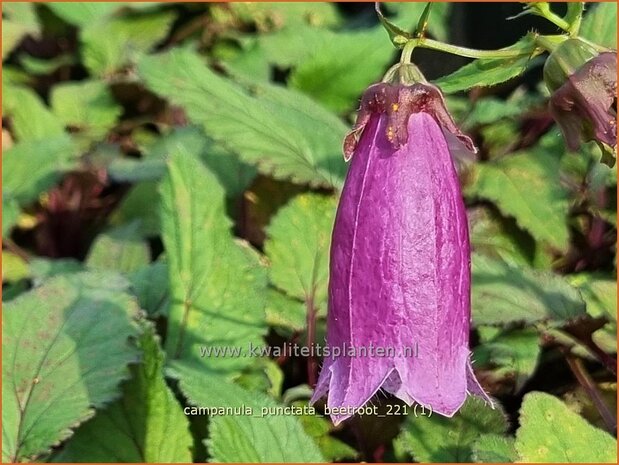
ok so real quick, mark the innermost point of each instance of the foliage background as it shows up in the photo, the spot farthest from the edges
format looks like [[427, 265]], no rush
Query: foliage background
[[161, 160]]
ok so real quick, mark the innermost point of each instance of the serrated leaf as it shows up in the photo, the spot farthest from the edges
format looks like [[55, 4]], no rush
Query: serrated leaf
[[499, 237], [65, 349], [408, 14], [287, 15], [116, 42], [493, 448], [510, 181], [249, 435], [280, 131], [84, 13], [87, 107], [441, 439], [485, 72], [599, 25], [18, 21], [31, 119], [141, 205], [550, 432], [512, 353], [285, 312], [298, 247], [341, 66], [217, 285], [503, 294], [146, 425], [318, 428], [120, 249], [150, 285], [32, 167]]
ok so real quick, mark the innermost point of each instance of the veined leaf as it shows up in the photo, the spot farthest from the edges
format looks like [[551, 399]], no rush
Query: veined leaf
[[441, 439], [29, 168], [550, 432], [217, 285], [120, 249], [115, 42], [486, 72], [504, 294], [280, 131], [510, 181], [65, 350], [18, 21], [493, 448], [85, 106], [600, 24], [251, 435], [298, 247], [341, 66], [146, 425], [31, 119]]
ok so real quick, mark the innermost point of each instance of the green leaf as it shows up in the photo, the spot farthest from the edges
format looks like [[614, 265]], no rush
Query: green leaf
[[287, 15], [282, 132], [42, 67], [493, 448], [30, 168], [18, 21], [441, 439], [83, 13], [509, 182], [10, 212], [284, 312], [499, 237], [341, 67], [116, 42], [31, 120], [550, 432], [86, 107], [600, 295], [486, 72], [511, 353], [140, 205], [298, 247], [65, 349], [318, 428], [43, 268], [120, 249], [150, 285], [146, 425], [217, 285], [253, 434], [408, 14], [600, 24], [504, 294], [14, 267]]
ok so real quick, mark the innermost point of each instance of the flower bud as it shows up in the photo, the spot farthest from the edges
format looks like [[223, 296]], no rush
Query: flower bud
[[563, 62], [584, 106]]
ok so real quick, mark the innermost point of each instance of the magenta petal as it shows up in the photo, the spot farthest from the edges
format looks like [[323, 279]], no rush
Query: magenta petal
[[400, 273]]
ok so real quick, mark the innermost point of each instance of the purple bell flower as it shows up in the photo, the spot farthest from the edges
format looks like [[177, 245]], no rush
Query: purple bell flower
[[584, 106], [400, 260]]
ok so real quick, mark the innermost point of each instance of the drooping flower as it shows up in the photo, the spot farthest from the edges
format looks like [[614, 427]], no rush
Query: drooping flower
[[584, 83], [400, 260]]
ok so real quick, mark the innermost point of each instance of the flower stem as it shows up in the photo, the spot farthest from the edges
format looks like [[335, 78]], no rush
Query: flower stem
[[583, 378], [424, 42]]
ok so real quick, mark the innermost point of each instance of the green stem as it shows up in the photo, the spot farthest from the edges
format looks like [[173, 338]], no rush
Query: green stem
[[464, 51], [556, 20], [407, 51]]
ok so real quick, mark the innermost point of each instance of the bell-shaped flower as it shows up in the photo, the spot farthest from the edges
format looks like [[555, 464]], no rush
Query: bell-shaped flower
[[399, 289]]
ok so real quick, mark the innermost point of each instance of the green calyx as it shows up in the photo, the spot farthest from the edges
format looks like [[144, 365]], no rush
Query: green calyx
[[565, 60], [404, 73]]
